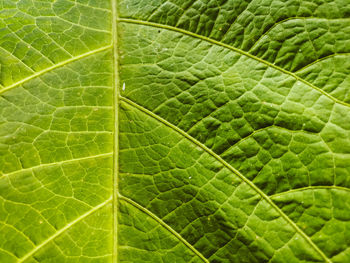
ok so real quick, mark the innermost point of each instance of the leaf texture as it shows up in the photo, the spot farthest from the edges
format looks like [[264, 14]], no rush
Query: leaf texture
[[174, 131]]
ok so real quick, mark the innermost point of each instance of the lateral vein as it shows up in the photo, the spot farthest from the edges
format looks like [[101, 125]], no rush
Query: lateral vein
[[61, 64], [166, 226], [232, 169], [62, 230], [55, 163], [312, 187], [215, 42]]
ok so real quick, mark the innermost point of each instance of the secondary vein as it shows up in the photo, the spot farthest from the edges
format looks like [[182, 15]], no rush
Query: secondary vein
[[232, 169], [62, 230], [55, 163], [163, 224], [312, 187], [179, 30], [61, 64]]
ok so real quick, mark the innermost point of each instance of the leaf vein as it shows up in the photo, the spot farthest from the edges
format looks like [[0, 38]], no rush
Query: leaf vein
[[162, 223], [62, 230], [215, 42], [322, 59], [115, 84], [312, 187], [232, 169], [55, 163], [288, 19], [61, 64]]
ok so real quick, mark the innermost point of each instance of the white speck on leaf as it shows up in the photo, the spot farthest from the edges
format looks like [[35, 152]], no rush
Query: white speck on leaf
[[190, 177], [123, 86]]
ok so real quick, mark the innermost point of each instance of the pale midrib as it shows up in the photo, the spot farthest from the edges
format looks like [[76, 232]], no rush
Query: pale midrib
[[116, 129], [210, 40], [166, 226], [312, 187], [58, 65], [241, 176], [2, 176], [62, 230]]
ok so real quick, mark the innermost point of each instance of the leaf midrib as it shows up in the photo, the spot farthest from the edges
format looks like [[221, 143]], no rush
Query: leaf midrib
[[232, 169], [242, 52], [116, 84]]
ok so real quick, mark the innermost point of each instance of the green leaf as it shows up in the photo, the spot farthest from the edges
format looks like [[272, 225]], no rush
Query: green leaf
[[174, 131]]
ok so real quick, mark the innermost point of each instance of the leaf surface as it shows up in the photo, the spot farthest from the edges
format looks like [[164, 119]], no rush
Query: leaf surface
[[174, 131]]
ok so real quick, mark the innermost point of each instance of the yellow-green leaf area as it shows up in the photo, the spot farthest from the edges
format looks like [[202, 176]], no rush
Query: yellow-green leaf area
[[174, 131]]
